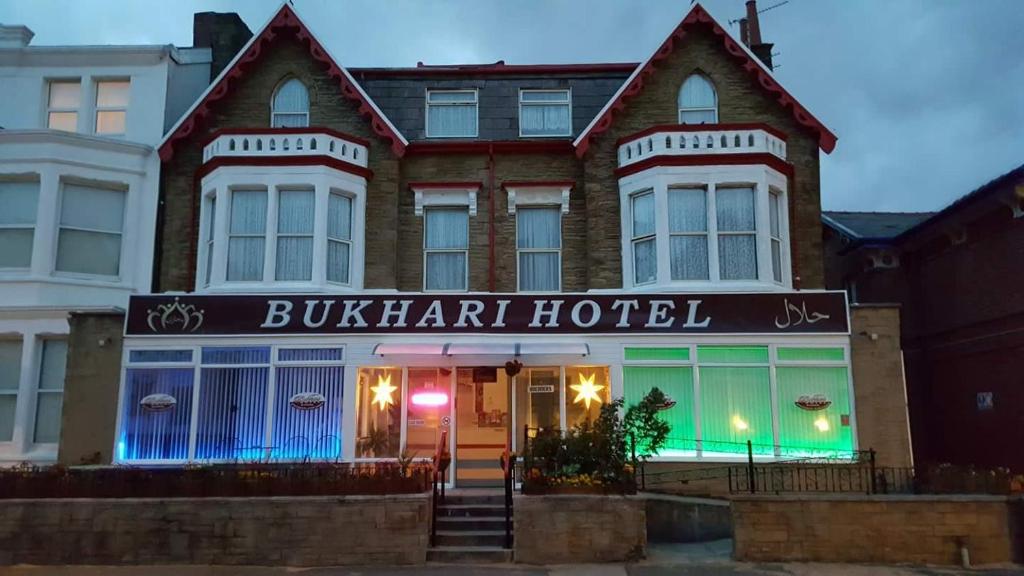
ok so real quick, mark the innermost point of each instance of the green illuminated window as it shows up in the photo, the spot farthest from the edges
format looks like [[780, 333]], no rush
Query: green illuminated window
[[811, 354], [677, 384], [733, 354], [735, 406], [673, 354], [809, 428]]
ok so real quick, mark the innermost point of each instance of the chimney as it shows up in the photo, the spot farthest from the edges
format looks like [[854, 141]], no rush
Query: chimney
[[17, 36], [223, 33], [762, 50], [744, 32]]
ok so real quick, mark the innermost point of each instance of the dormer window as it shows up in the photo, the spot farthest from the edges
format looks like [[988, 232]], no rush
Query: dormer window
[[290, 106], [698, 101], [451, 113]]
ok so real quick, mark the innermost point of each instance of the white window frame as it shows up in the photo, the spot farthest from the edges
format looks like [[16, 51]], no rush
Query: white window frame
[[311, 235], [465, 251], [528, 103], [38, 183], [39, 391], [351, 244], [210, 205], [714, 108], [97, 109], [475, 104], [706, 234], [634, 239], [273, 100], [121, 234], [49, 109], [269, 224], [556, 251], [773, 239], [759, 228]]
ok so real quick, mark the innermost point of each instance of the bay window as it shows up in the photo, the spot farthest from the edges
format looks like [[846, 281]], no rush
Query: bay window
[[539, 246], [20, 200], [645, 265], [247, 235], [91, 226], [688, 233], [737, 233], [445, 248], [295, 210], [339, 237]]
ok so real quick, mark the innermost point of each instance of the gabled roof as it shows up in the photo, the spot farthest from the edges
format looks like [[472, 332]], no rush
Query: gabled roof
[[285, 18], [873, 225], [698, 16]]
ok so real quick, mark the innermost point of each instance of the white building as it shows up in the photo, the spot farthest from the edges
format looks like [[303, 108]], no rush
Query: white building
[[79, 188]]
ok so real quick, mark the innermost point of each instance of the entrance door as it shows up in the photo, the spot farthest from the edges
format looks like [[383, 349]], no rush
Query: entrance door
[[482, 425]]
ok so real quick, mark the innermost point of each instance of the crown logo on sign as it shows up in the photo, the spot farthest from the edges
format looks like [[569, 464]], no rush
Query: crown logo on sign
[[174, 316]]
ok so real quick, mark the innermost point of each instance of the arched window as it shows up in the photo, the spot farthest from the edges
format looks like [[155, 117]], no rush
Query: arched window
[[290, 107], [698, 102]]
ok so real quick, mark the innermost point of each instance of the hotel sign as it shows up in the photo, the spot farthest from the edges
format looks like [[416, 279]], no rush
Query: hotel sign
[[621, 313]]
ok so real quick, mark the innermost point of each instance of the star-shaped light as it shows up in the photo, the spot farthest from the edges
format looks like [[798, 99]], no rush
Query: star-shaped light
[[586, 390], [382, 392]]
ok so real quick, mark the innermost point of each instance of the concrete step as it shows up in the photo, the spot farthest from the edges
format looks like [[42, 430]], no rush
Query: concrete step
[[471, 538], [470, 523], [464, 510], [469, 555], [466, 498]]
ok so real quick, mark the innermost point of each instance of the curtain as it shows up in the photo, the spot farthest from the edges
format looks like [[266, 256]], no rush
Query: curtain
[[643, 214], [310, 433], [291, 105], [10, 381], [808, 432], [91, 221], [737, 253], [295, 217], [544, 114], [446, 271], [51, 391], [698, 103], [538, 237], [446, 229], [339, 235], [677, 383], [247, 234], [774, 205], [451, 114], [20, 201], [151, 435], [688, 214], [645, 261]]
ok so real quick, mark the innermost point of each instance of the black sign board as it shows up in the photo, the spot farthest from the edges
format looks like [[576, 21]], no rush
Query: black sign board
[[620, 313]]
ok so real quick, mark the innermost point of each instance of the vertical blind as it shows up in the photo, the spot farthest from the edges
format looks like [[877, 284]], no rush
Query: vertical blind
[[737, 238], [247, 234], [677, 383], [91, 222], [446, 243], [291, 105], [339, 237], [295, 235], [20, 201], [688, 233], [451, 113], [538, 238], [156, 435]]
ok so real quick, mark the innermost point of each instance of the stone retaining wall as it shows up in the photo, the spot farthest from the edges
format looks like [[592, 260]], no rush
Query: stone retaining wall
[[293, 531], [877, 529], [563, 529], [682, 519]]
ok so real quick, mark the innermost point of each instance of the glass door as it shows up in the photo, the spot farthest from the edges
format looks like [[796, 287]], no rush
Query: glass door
[[482, 425]]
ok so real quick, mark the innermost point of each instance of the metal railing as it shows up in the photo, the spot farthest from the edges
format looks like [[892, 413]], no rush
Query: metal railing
[[508, 470], [440, 469]]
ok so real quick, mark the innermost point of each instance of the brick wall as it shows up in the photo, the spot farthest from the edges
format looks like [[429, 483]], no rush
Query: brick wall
[[300, 531], [91, 388], [879, 529], [880, 394], [579, 529]]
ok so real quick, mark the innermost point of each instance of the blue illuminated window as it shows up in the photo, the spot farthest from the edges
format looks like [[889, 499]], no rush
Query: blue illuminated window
[[156, 414]]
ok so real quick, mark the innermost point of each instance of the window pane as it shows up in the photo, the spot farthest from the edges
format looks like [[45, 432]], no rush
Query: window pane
[[437, 96], [294, 258], [338, 254], [92, 208], [586, 389], [16, 248], [687, 210], [245, 259], [110, 121], [295, 212], [446, 228], [537, 398], [112, 94], [290, 121], [737, 257], [339, 217], [697, 92], [544, 96], [305, 427], [538, 227], [538, 271], [236, 355], [66, 121], [51, 369], [10, 364], [249, 212], [65, 94], [811, 354], [232, 413], [424, 420], [735, 406], [458, 120], [677, 384], [809, 431], [379, 412], [249, 217], [674, 354], [645, 263], [735, 208], [20, 201], [697, 117], [293, 97], [773, 214], [157, 429], [8, 403], [544, 120], [309, 354], [160, 356], [446, 271], [689, 256], [776, 260], [733, 354], [89, 252], [643, 214], [48, 410]]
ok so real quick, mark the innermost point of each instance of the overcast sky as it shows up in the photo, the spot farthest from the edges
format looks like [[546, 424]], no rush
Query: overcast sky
[[926, 96]]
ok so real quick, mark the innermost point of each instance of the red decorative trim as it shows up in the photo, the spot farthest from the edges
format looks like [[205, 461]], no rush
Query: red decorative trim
[[308, 130], [537, 183], [309, 160], [769, 160], [701, 128], [484, 147], [699, 16], [441, 185], [284, 20], [498, 68]]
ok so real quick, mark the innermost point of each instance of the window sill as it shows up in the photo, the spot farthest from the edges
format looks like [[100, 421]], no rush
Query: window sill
[[278, 288], [102, 282], [709, 286]]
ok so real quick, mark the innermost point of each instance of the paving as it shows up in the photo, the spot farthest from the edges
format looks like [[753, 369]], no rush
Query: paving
[[710, 559]]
